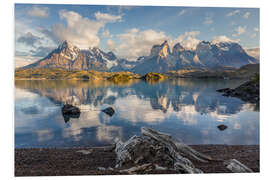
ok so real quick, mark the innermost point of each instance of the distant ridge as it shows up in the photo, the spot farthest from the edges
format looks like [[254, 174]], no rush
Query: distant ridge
[[160, 59]]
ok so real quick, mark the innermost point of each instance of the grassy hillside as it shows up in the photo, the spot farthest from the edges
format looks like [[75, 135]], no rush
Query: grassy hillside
[[75, 74], [246, 71]]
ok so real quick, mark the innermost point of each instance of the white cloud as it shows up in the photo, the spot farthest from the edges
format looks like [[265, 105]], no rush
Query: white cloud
[[21, 61], [239, 30], [29, 39], [246, 15], [104, 17], [233, 13], [255, 52], [110, 45], [106, 34], [80, 31], [36, 11], [223, 38], [188, 39], [135, 43], [182, 12]]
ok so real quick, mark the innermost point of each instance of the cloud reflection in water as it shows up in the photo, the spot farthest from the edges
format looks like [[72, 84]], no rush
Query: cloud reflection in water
[[187, 109]]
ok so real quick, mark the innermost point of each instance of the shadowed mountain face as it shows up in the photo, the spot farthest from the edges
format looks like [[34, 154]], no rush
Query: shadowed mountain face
[[161, 58], [68, 56], [206, 55]]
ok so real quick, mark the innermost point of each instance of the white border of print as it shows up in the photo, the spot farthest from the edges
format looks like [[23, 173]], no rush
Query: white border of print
[[7, 82]]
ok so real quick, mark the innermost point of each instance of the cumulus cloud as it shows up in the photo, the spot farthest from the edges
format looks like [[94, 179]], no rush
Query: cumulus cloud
[[235, 12], [110, 45], [135, 43], [105, 17], [80, 31], [29, 39], [36, 11], [223, 38], [106, 34], [41, 51], [246, 15], [189, 39], [240, 30], [21, 61], [50, 35], [255, 52]]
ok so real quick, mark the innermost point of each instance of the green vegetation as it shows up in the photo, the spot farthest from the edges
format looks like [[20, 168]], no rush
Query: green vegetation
[[154, 77], [122, 77], [60, 74], [247, 71], [53, 74]]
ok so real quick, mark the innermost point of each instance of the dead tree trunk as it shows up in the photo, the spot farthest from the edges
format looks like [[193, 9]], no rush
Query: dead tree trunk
[[154, 150]]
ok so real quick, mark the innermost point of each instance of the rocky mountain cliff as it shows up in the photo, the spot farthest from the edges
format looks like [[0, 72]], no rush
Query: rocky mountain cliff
[[161, 58], [67, 56], [206, 55]]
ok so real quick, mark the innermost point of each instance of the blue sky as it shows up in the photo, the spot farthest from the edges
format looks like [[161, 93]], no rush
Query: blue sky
[[129, 31]]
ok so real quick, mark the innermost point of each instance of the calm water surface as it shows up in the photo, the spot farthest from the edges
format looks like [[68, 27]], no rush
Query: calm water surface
[[190, 110]]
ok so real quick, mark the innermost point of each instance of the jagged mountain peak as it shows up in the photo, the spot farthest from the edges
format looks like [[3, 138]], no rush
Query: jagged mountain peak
[[162, 50], [177, 48], [66, 44], [207, 54], [165, 43], [112, 55]]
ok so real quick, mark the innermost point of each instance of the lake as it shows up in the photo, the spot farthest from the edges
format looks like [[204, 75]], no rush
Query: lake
[[188, 109]]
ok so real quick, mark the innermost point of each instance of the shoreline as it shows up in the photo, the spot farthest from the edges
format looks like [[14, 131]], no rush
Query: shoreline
[[101, 160]]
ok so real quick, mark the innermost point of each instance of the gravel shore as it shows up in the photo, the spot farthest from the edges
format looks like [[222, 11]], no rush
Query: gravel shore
[[101, 160]]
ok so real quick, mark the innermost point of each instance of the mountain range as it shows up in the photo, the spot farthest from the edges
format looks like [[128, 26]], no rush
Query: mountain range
[[161, 58]]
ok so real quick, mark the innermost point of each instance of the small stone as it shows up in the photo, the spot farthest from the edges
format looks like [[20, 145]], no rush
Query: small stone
[[85, 151], [69, 111], [109, 111], [101, 168], [222, 127]]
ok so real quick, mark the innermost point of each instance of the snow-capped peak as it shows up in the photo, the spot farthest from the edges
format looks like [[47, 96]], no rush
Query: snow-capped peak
[[68, 50]]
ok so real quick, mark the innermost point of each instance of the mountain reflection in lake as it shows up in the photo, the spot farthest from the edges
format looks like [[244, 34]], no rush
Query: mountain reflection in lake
[[189, 110]]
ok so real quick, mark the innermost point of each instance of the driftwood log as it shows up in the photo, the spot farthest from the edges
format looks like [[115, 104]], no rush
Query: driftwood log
[[154, 150], [236, 167]]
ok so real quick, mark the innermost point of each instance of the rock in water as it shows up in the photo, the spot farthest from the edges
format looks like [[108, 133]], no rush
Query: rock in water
[[109, 111], [69, 111], [248, 92], [222, 127]]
